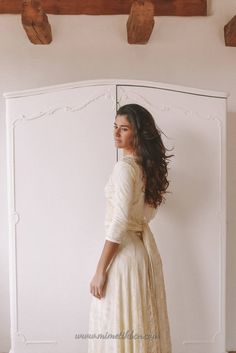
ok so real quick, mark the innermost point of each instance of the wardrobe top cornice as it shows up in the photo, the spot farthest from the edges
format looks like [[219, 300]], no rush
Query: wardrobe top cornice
[[116, 82]]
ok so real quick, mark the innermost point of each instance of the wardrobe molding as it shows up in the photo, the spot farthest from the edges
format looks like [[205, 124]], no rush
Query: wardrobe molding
[[117, 82]]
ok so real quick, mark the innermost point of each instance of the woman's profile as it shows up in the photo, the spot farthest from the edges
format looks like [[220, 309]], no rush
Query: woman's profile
[[128, 311]]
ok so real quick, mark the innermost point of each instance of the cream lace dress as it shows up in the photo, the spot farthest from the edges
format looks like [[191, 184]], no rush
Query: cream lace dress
[[132, 316]]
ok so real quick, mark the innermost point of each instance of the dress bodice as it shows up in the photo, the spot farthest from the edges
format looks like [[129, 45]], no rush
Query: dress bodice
[[125, 206]]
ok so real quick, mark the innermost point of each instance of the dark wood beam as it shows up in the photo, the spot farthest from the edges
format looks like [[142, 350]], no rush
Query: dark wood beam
[[110, 7], [230, 33], [35, 22], [140, 22]]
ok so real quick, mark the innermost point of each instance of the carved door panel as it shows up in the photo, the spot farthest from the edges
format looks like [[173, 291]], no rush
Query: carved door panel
[[190, 228], [60, 153]]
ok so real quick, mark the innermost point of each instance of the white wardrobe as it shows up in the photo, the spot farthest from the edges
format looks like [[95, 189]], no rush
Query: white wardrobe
[[60, 153]]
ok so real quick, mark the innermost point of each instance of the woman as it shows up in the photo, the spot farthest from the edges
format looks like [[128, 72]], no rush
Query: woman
[[128, 312]]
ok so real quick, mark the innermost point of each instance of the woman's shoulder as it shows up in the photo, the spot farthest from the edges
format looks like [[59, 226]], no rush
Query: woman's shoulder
[[127, 161], [126, 165]]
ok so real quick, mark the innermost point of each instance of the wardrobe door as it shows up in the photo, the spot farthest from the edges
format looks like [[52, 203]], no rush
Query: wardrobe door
[[190, 227], [60, 152]]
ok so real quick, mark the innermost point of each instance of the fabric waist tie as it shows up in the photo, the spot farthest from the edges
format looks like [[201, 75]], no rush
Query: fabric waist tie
[[158, 288]]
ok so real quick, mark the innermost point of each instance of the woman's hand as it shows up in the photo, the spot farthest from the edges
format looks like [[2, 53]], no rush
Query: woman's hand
[[98, 283]]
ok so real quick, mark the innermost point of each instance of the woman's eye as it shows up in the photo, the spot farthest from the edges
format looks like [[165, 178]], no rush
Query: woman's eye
[[123, 129]]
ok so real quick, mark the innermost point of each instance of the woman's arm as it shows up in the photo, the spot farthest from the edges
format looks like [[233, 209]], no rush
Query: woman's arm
[[109, 250], [124, 178], [97, 284]]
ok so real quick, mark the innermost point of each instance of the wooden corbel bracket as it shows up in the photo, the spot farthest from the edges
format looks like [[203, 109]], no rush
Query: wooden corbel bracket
[[140, 22], [35, 22], [230, 33]]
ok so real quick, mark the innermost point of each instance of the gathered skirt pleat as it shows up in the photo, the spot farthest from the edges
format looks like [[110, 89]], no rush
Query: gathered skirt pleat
[[126, 319]]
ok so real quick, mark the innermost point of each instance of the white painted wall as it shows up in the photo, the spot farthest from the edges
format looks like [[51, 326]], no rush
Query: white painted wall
[[182, 50]]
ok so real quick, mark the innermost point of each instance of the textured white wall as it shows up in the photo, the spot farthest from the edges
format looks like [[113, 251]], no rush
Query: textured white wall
[[182, 50]]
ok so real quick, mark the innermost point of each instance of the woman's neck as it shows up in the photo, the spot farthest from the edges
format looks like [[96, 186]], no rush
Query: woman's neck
[[128, 153]]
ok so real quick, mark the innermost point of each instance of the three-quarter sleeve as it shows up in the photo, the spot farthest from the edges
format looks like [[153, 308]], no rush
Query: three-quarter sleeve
[[123, 179]]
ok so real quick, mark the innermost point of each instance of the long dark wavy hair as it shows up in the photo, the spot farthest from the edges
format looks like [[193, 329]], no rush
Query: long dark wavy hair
[[150, 152]]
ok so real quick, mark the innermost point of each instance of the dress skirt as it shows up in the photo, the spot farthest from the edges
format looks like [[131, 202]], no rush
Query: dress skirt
[[132, 315]]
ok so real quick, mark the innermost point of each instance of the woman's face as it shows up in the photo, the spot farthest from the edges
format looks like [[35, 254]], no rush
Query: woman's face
[[123, 133]]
